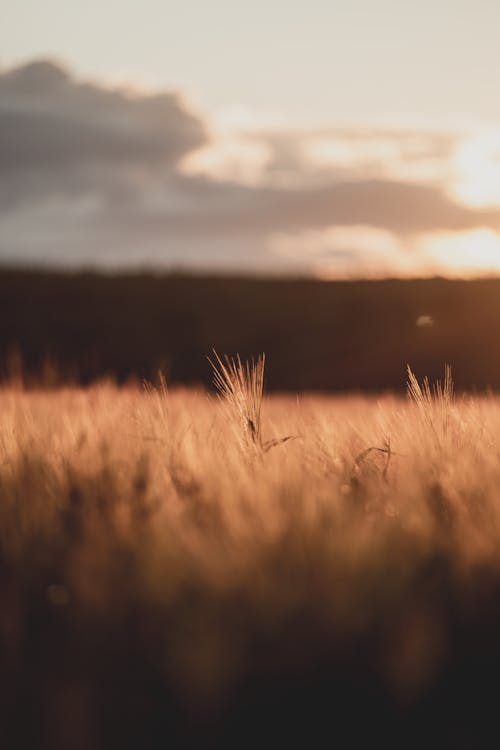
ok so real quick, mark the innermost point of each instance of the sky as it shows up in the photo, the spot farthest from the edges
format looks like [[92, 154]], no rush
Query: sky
[[336, 139]]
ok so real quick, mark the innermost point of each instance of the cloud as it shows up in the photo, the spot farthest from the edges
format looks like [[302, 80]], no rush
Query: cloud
[[51, 122], [314, 158], [396, 206], [346, 251], [105, 176]]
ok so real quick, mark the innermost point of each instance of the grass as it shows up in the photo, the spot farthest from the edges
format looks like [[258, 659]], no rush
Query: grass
[[161, 587], [241, 388]]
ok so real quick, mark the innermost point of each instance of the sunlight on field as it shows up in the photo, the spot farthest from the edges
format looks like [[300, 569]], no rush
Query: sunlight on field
[[160, 519]]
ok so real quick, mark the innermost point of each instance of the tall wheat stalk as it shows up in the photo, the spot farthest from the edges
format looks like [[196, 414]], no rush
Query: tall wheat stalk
[[434, 403], [424, 396], [240, 386]]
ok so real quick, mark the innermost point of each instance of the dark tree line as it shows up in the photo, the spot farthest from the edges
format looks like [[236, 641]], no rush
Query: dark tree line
[[317, 335]]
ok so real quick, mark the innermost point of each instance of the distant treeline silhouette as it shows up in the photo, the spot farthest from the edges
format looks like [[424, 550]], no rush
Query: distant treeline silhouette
[[329, 336]]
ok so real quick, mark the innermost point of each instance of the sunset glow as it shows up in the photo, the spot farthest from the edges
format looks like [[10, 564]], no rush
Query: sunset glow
[[476, 170], [314, 139], [473, 253], [341, 251]]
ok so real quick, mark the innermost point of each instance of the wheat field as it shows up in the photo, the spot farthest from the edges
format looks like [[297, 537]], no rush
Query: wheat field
[[185, 569]]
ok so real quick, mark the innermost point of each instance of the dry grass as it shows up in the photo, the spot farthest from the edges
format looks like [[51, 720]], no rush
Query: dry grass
[[161, 585]]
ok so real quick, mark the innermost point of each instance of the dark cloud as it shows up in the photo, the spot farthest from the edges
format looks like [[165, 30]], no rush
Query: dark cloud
[[50, 121], [92, 174], [396, 206]]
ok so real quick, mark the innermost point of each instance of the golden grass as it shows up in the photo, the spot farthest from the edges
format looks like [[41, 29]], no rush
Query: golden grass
[[138, 519]]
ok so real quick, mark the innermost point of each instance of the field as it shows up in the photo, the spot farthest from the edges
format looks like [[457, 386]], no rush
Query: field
[[183, 570]]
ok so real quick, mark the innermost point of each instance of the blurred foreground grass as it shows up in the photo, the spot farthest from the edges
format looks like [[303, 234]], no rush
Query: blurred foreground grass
[[164, 584]]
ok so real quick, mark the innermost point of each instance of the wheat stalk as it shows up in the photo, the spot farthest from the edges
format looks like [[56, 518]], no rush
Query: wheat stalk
[[240, 386], [433, 403]]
